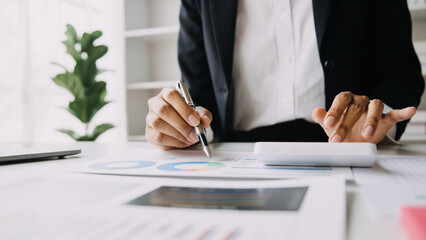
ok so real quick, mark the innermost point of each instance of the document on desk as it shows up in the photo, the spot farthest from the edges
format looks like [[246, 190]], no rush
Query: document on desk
[[147, 208], [191, 163], [392, 182]]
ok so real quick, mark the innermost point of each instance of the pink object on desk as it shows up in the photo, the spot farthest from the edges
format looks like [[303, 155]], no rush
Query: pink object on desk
[[413, 219]]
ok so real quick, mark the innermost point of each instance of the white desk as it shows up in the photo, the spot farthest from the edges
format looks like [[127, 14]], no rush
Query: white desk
[[360, 224]]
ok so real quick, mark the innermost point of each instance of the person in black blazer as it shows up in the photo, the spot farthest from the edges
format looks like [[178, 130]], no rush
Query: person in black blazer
[[366, 52]]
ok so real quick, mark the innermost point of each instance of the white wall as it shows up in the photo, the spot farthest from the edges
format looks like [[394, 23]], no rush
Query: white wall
[[31, 32]]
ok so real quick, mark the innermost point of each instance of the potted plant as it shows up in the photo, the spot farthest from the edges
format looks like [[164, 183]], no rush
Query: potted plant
[[88, 93]]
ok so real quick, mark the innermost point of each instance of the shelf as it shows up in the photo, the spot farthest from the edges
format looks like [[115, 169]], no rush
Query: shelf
[[150, 38], [419, 118], [154, 34], [151, 85], [420, 47], [134, 138], [416, 128], [418, 12]]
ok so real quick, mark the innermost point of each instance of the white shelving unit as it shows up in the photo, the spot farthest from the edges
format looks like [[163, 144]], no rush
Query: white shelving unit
[[416, 129], [418, 16], [150, 85], [154, 34], [151, 31], [418, 12]]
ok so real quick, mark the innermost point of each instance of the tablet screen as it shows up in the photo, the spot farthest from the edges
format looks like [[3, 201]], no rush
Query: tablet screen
[[264, 199]]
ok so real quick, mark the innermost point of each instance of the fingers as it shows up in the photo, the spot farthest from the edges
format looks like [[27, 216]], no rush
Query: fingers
[[356, 118], [318, 115], [400, 115], [170, 121], [159, 125], [338, 107], [205, 116], [163, 140], [174, 98], [351, 116], [168, 114], [374, 114]]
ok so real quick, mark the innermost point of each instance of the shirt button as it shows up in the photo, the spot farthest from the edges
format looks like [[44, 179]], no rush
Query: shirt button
[[283, 17], [329, 64], [284, 100]]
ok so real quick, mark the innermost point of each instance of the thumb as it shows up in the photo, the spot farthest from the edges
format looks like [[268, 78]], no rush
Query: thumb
[[318, 115], [400, 115]]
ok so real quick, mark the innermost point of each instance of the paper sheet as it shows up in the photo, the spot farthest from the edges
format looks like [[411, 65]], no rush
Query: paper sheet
[[392, 182], [190, 163], [105, 213], [404, 171]]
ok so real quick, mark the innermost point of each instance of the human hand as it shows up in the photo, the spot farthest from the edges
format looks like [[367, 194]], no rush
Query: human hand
[[353, 118], [170, 122]]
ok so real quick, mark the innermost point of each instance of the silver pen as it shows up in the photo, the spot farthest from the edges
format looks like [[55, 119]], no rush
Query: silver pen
[[199, 130]]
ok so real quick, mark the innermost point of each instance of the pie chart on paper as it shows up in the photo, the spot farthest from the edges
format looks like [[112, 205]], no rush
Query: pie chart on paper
[[190, 166], [123, 165]]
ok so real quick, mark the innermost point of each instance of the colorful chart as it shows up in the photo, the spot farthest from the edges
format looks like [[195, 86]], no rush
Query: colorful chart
[[123, 165], [191, 166]]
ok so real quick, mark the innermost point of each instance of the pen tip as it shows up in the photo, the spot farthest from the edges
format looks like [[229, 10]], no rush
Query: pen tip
[[207, 152]]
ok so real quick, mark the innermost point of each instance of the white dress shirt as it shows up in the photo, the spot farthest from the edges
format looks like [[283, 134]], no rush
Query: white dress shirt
[[277, 70]]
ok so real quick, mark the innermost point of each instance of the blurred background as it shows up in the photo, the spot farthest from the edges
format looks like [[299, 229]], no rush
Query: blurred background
[[142, 39]]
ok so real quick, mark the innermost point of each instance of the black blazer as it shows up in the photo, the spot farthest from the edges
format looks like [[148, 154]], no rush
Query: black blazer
[[365, 47]]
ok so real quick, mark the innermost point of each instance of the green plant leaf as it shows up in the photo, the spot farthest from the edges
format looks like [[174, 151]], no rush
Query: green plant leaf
[[70, 133], [78, 108], [96, 34], [100, 71], [89, 94], [87, 70], [70, 42], [100, 129], [60, 65], [86, 41], [96, 99], [71, 33], [99, 89], [94, 105], [86, 108], [97, 52], [71, 82]]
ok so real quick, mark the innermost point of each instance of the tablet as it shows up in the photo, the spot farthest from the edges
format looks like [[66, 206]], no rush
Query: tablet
[[18, 152], [316, 154]]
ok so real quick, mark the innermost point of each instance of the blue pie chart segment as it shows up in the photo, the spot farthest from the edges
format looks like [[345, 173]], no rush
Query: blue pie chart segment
[[123, 165], [190, 166]]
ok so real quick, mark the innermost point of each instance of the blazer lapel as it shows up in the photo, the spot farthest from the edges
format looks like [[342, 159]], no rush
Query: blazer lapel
[[322, 9], [223, 15]]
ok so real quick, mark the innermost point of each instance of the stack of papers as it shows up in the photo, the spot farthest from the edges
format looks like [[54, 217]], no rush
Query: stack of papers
[[187, 163]]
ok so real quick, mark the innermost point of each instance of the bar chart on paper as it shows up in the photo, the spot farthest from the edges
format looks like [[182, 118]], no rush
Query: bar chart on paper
[[189, 163]]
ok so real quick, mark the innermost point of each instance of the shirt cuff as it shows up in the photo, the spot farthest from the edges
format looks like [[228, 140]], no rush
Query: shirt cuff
[[209, 134]]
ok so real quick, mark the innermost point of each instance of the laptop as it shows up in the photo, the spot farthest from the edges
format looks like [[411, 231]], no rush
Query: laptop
[[16, 152]]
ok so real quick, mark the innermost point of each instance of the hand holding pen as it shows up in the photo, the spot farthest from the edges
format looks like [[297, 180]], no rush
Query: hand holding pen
[[170, 122], [199, 130]]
